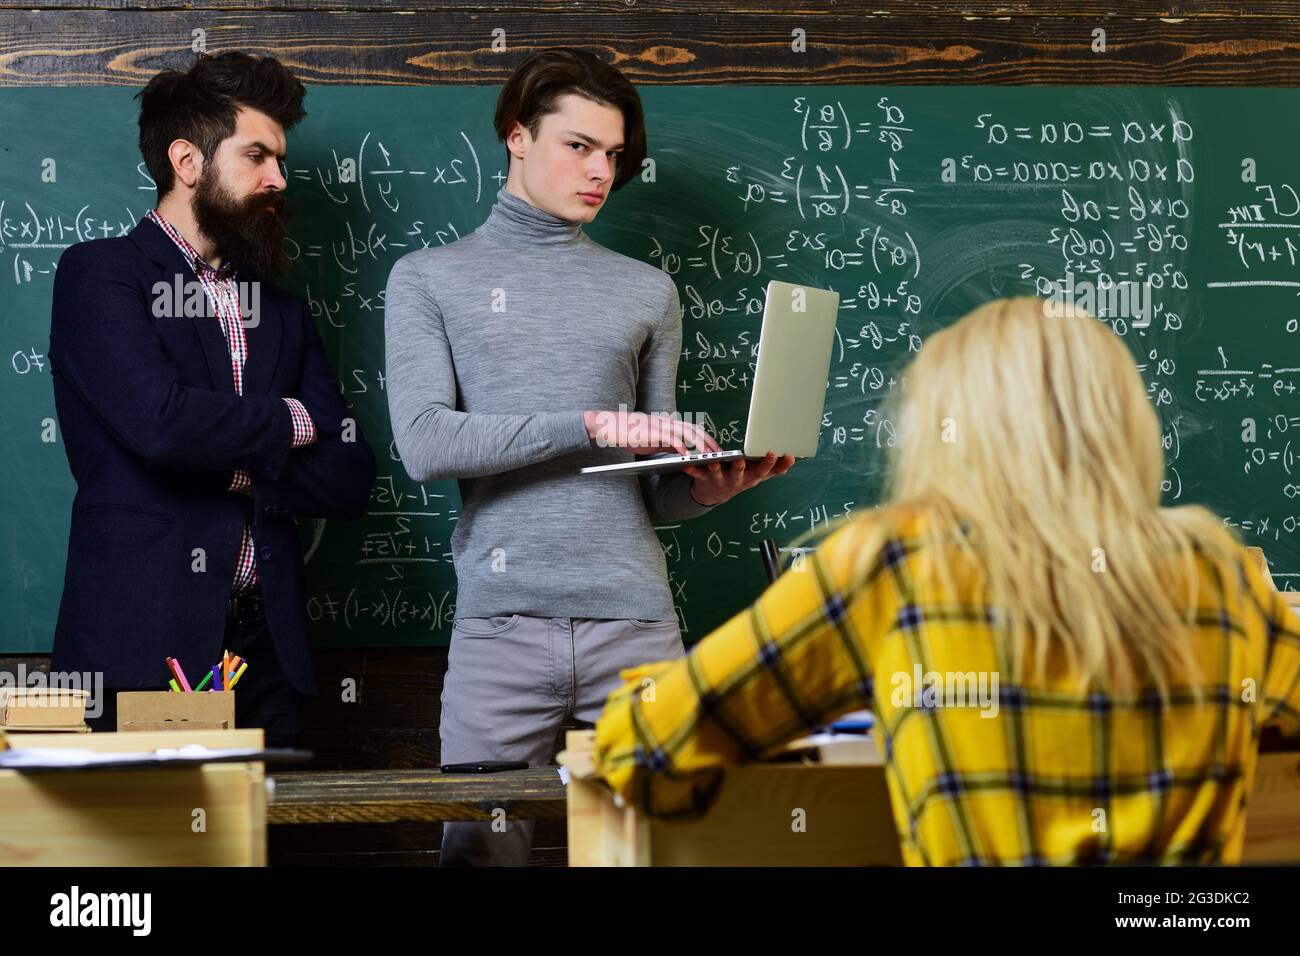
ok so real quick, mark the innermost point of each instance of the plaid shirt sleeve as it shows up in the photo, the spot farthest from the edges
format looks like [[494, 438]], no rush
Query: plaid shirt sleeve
[[304, 433], [304, 429], [241, 482], [1281, 691], [790, 662]]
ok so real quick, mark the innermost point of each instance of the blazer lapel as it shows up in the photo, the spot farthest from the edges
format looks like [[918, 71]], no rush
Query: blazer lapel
[[158, 246], [263, 328]]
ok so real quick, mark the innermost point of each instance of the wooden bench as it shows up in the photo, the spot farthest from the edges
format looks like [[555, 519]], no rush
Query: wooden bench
[[414, 796]]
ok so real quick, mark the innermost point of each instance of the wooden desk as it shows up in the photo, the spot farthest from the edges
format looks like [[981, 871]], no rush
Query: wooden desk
[[393, 796], [749, 824], [752, 822], [135, 817], [1273, 814]]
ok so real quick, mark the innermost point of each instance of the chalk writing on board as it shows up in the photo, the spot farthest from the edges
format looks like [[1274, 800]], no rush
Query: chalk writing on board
[[915, 204]]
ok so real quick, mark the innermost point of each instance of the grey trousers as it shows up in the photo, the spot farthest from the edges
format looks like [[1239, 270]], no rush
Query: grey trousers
[[511, 682]]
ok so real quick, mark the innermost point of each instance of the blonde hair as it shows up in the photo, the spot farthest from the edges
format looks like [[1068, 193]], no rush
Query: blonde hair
[[1030, 426]]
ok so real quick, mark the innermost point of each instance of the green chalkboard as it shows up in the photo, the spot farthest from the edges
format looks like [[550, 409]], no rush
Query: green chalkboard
[[915, 203]]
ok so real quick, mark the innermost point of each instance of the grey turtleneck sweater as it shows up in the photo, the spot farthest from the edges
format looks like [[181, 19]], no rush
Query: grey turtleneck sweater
[[495, 345]]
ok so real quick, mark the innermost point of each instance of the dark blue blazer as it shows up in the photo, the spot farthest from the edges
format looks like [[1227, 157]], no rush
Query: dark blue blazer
[[153, 431]]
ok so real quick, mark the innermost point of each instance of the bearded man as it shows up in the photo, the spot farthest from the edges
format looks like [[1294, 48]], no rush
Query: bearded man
[[199, 412]]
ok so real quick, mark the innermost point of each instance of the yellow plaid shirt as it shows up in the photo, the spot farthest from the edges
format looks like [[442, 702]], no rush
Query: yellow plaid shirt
[[1054, 777]]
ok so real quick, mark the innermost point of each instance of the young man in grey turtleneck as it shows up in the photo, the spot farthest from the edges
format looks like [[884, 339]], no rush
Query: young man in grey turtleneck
[[515, 356]]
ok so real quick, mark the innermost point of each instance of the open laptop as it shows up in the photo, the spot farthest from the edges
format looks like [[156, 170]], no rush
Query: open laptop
[[789, 390]]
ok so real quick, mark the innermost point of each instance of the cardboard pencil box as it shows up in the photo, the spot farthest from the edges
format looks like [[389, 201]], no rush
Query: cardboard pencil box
[[168, 710]]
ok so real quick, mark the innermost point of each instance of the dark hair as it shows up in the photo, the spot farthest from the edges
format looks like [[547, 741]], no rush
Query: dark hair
[[537, 83], [200, 104]]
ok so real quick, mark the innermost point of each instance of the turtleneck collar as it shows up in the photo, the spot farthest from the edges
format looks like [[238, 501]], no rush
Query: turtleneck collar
[[516, 220]]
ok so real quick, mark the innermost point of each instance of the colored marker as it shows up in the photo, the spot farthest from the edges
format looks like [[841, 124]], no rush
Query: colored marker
[[179, 672]]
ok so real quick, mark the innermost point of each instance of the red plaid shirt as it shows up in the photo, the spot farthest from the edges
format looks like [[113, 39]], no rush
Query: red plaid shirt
[[223, 294]]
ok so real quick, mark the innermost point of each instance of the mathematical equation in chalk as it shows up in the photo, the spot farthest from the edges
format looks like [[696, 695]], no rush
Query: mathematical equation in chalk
[[912, 209]]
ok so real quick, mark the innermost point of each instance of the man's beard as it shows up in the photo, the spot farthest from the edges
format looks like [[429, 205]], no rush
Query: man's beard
[[244, 232]]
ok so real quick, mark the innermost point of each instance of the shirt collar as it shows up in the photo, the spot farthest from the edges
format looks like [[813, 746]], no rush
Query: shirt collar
[[516, 220], [200, 267]]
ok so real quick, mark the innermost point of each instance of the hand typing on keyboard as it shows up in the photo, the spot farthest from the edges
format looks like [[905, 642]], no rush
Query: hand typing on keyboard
[[647, 434]]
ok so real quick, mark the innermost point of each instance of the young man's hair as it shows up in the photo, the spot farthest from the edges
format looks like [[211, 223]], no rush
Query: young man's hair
[[534, 89], [200, 104]]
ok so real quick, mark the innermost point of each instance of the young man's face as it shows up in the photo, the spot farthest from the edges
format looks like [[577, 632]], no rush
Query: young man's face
[[569, 168], [238, 201]]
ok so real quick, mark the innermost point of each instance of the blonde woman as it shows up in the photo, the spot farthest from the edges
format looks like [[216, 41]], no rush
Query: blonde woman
[[1062, 671]]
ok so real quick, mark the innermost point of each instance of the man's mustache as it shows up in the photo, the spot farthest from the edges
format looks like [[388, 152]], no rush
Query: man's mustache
[[273, 203]]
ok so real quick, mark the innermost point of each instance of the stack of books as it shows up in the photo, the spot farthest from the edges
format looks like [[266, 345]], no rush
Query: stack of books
[[45, 709]]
